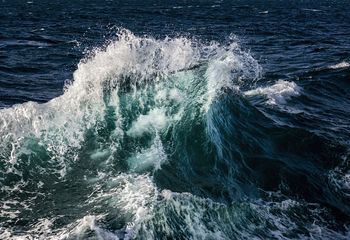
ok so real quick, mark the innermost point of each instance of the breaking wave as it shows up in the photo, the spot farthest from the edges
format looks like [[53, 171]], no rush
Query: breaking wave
[[142, 145]]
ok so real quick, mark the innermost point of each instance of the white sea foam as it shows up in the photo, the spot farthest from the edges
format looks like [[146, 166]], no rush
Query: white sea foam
[[343, 64], [153, 212], [150, 158], [155, 120], [205, 218], [149, 212], [312, 10], [175, 94], [278, 93], [128, 195], [228, 70], [88, 223]]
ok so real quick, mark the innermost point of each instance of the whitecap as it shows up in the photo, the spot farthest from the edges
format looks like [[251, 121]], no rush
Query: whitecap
[[264, 12], [312, 10], [343, 64], [277, 94]]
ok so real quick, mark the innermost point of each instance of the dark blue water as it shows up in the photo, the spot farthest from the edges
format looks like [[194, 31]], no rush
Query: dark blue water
[[163, 120]]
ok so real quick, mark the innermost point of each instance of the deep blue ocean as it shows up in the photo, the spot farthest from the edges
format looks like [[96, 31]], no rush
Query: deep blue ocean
[[174, 119]]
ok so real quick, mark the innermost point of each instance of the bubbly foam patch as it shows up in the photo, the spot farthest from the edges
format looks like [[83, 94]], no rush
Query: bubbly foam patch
[[155, 120]]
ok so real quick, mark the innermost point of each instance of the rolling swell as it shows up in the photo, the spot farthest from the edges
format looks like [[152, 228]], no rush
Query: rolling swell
[[171, 138]]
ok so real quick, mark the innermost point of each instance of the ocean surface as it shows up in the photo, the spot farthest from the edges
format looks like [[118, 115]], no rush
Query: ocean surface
[[174, 119]]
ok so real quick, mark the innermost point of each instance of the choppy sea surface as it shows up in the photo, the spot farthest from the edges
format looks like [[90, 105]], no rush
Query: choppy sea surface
[[174, 119]]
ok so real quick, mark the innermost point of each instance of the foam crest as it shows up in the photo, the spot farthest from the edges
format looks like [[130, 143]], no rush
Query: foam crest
[[277, 94], [343, 64], [228, 70]]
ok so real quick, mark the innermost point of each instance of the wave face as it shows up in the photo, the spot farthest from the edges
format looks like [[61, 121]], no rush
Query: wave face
[[167, 138]]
